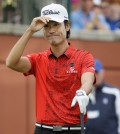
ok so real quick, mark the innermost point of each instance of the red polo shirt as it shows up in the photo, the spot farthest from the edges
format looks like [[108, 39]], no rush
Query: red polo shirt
[[57, 80]]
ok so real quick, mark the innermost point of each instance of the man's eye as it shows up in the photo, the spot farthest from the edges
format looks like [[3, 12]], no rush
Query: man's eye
[[56, 24], [46, 26]]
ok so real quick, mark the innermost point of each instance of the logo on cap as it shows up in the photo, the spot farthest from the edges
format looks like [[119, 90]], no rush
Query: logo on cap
[[50, 12]]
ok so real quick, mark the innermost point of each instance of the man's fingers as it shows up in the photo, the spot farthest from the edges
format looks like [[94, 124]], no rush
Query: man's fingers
[[73, 102], [47, 19], [43, 19], [81, 107]]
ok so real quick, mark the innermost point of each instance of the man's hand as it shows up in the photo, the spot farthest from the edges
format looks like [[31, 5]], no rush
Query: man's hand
[[82, 100], [38, 23]]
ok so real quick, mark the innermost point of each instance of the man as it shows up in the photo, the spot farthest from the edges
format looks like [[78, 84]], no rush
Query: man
[[103, 109], [64, 75], [111, 11]]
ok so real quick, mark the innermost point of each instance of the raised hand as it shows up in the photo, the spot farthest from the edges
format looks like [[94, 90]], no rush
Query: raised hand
[[38, 23]]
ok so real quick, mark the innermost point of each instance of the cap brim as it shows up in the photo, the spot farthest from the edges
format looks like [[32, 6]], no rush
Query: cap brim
[[59, 20]]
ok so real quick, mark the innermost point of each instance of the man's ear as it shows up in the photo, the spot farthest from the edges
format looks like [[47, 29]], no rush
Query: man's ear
[[67, 26]]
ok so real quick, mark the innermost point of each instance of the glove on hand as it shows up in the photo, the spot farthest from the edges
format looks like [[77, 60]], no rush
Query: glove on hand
[[82, 100]]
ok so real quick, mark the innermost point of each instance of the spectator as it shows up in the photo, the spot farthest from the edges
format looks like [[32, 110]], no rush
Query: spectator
[[111, 11], [81, 16], [114, 17], [98, 20], [75, 5], [105, 8], [103, 109], [9, 8], [88, 17]]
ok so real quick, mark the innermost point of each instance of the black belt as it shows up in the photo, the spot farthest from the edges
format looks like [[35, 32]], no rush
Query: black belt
[[58, 127]]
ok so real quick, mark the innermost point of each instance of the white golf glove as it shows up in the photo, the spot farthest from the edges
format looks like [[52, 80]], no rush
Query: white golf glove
[[82, 100]]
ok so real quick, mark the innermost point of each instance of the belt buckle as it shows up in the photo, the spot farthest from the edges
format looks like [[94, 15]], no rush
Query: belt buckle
[[57, 128]]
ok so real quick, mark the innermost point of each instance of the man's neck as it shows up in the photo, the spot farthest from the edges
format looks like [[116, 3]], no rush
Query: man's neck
[[58, 50]]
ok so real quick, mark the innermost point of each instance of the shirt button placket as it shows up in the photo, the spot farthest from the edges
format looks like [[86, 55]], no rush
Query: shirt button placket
[[56, 67]]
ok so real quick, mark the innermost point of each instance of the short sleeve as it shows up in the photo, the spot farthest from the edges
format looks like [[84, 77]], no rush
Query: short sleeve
[[88, 63], [32, 59]]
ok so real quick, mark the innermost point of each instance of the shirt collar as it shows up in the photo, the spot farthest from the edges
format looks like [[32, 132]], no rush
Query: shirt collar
[[67, 53]]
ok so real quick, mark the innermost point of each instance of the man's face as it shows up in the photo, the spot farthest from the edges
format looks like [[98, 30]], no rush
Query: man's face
[[105, 8], [55, 32], [87, 5]]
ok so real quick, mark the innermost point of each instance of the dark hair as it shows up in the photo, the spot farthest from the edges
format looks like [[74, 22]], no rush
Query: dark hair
[[68, 32]]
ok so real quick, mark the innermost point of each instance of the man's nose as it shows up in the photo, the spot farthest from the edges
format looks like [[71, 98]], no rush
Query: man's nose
[[51, 29]]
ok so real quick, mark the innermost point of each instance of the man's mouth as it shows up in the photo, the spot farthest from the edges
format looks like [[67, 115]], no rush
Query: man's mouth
[[52, 35]]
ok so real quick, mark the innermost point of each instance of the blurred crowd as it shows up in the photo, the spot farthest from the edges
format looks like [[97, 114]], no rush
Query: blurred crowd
[[23, 11], [85, 14], [95, 14]]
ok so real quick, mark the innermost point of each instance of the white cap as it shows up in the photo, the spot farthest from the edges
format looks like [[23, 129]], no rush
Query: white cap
[[55, 12], [97, 2]]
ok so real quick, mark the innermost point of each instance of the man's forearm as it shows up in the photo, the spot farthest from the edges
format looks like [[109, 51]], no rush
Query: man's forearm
[[17, 51], [87, 81], [87, 87]]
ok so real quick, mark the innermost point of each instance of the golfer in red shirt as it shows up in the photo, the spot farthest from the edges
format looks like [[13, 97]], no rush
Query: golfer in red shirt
[[64, 75]]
